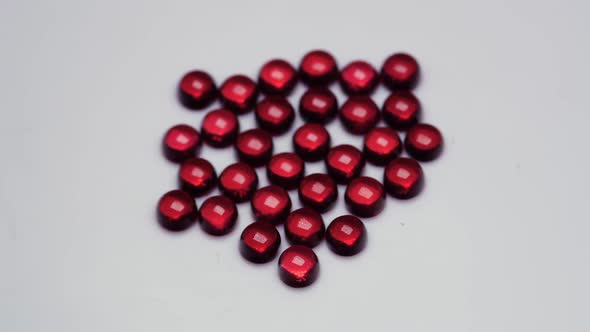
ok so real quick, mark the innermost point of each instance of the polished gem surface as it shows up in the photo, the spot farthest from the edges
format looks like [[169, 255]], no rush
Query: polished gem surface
[[424, 142], [285, 170], [365, 196], [359, 114], [298, 266], [381, 145], [318, 67], [275, 114], [318, 104], [220, 127], [238, 181], [400, 72], [358, 77], [403, 178], [318, 191], [181, 142], [344, 162], [239, 93], [197, 90], [177, 210], [271, 204], [346, 235], [311, 141], [260, 242], [401, 110], [197, 176], [218, 215], [277, 76], [254, 147], [305, 226]]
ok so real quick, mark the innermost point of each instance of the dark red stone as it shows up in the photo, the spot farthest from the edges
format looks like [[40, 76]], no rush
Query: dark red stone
[[239, 93], [311, 141], [359, 114], [346, 235], [275, 114], [365, 196], [381, 145], [318, 191], [305, 226], [271, 204], [218, 215], [403, 178], [358, 77], [318, 104], [197, 90], [238, 181], [285, 170], [318, 67], [177, 210], [424, 142], [254, 147], [277, 77], [298, 266], [400, 72], [401, 110], [220, 128], [260, 242], [197, 176], [181, 142], [344, 162]]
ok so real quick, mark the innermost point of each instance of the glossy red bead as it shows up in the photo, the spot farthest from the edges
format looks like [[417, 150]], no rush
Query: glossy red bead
[[277, 77], [424, 142], [239, 93], [298, 266], [359, 114], [344, 162], [181, 142], [365, 196], [238, 181], [275, 114], [197, 176], [318, 67], [400, 72], [311, 142], [358, 77], [220, 127], [318, 191], [260, 242], [305, 226], [381, 145], [271, 204], [318, 104], [254, 147], [197, 90], [285, 170], [403, 178], [218, 215], [401, 110], [177, 210], [346, 235]]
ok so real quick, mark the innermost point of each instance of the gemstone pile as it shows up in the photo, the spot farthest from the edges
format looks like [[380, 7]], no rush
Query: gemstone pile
[[267, 96]]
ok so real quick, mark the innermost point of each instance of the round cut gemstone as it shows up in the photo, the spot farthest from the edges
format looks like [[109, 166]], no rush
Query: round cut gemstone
[[311, 141], [305, 226], [271, 204], [318, 191], [381, 145], [277, 77], [275, 114], [359, 114], [197, 90], [400, 72], [197, 176], [218, 215], [239, 93], [365, 196], [220, 127], [401, 110], [254, 147], [260, 242], [403, 178], [318, 67], [318, 104], [358, 77], [181, 142], [176, 210], [298, 266], [424, 142], [344, 162], [346, 235], [285, 170], [238, 181]]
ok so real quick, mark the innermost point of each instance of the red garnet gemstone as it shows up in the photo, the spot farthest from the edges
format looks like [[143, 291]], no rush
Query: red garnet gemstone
[[239, 93], [298, 266], [254, 147], [238, 181], [401, 110], [285, 170], [403, 178], [344, 162], [220, 128], [305, 226], [318, 104], [346, 235], [176, 210], [381, 145], [358, 77], [311, 141], [318, 191], [271, 204], [277, 77], [424, 142], [260, 242], [181, 142], [400, 72], [318, 67], [197, 176], [365, 196], [197, 90], [218, 215], [275, 114], [359, 114]]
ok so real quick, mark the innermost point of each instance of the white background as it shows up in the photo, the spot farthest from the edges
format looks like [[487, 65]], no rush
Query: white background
[[498, 241]]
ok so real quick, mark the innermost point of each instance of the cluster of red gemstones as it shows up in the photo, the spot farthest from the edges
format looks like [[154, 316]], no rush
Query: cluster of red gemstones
[[271, 205]]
